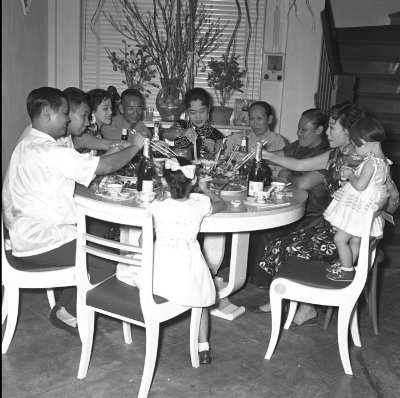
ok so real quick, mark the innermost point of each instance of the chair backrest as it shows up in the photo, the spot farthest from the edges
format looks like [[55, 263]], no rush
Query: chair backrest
[[139, 256], [5, 245]]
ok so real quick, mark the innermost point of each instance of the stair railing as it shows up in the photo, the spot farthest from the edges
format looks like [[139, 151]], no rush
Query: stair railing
[[333, 86]]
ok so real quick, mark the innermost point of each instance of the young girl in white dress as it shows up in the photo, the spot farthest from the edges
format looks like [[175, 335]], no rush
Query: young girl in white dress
[[365, 190], [181, 274]]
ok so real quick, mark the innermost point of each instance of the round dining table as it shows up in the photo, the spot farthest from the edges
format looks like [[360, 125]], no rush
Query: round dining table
[[239, 221]]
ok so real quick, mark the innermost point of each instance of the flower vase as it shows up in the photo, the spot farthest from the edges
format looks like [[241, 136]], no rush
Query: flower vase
[[169, 101], [221, 115]]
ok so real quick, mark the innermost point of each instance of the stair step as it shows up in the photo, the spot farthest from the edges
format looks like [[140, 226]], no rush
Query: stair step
[[374, 50], [379, 96], [385, 33], [379, 104], [362, 66], [381, 85]]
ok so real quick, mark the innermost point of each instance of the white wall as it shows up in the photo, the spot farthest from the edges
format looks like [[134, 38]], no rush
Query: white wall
[[24, 67], [64, 43], [301, 44], [302, 66]]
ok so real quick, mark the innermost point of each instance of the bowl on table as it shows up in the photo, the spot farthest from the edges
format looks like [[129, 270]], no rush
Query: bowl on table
[[114, 189], [278, 186], [279, 194]]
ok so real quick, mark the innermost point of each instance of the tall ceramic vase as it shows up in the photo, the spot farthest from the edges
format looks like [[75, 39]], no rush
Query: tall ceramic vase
[[169, 101]]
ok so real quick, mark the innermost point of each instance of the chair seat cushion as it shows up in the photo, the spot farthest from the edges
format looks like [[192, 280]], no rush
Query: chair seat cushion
[[308, 272], [119, 298], [21, 265]]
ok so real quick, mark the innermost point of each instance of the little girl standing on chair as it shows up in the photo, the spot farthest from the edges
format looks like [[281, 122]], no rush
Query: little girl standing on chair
[[181, 274], [364, 191]]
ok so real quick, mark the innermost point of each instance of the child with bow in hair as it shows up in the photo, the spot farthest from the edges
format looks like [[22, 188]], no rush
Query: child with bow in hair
[[181, 274]]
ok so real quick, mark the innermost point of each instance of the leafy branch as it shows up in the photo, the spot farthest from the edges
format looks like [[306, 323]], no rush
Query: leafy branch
[[138, 67], [225, 77]]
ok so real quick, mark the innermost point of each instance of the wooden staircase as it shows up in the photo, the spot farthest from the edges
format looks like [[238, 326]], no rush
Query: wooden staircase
[[372, 56]]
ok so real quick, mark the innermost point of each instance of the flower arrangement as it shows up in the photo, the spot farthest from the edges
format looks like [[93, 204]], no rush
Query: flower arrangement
[[225, 77], [138, 67]]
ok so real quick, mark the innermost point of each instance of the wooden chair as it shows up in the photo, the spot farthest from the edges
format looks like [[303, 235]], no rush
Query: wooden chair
[[18, 274], [301, 280], [117, 299]]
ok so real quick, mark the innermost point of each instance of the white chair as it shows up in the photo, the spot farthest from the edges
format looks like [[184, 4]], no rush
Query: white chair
[[18, 274], [370, 290], [301, 280], [117, 299]]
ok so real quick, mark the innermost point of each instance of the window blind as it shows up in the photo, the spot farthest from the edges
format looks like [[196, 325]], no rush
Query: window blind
[[97, 69]]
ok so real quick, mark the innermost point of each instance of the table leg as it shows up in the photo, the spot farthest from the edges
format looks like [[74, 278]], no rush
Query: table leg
[[213, 252]]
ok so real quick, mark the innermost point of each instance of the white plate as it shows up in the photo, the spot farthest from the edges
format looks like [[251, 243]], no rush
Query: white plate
[[121, 197], [132, 179], [269, 204], [233, 193]]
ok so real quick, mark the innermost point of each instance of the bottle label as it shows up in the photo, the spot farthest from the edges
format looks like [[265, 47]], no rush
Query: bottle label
[[255, 186], [147, 186], [156, 135]]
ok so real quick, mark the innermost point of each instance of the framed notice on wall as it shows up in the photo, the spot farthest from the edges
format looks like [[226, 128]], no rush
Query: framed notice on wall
[[25, 6]]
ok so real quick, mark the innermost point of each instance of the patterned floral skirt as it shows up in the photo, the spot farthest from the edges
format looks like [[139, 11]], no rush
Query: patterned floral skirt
[[314, 243]]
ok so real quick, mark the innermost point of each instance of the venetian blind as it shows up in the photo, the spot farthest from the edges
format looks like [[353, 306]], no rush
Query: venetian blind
[[97, 70]]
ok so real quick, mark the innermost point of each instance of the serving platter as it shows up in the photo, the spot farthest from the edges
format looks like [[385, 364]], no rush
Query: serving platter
[[269, 203], [230, 189], [117, 198]]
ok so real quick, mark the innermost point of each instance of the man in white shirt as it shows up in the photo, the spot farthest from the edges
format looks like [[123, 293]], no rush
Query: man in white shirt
[[38, 204]]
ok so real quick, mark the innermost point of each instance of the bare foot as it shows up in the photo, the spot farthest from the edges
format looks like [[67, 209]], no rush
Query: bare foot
[[304, 313], [265, 307]]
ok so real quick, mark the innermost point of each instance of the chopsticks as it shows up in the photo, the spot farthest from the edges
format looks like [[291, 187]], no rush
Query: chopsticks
[[248, 157], [218, 155], [165, 151], [195, 146]]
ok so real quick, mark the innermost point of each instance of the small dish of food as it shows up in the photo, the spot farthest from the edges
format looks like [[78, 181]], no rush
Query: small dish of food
[[279, 195], [146, 197], [236, 203], [114, 189], [229, 189], [278, 186]]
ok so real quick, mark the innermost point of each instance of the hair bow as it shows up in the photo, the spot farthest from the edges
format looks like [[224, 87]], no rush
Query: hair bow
[[173, 164]]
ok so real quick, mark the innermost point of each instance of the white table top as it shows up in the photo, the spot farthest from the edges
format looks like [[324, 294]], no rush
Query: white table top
[[243, 218]]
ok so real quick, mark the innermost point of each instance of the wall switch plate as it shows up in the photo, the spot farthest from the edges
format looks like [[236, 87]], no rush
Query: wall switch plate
[[273, 66]]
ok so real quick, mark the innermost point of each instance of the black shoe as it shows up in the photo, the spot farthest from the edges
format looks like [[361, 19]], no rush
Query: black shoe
[[205, 358], [58, 323]]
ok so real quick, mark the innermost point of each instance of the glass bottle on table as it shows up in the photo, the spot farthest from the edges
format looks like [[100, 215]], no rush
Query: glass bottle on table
[[124, 135], [146, 170], [244, 145], [257, 174], [156, 132]]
